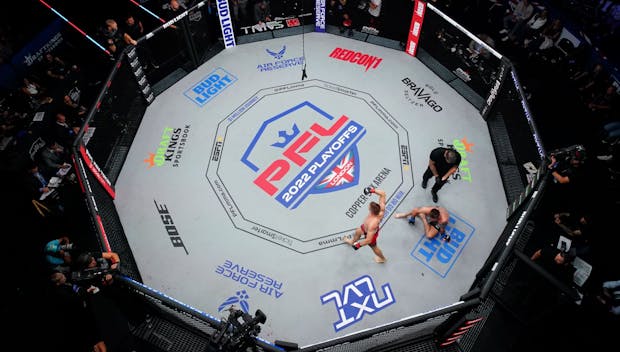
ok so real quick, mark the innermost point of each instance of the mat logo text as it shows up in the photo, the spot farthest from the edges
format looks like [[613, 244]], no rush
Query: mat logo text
[[210, 86], [279, 62], [463, 147], [419, 96], [357, 298], [440, 256], [321, 157], [356, 57], [171, 229], [250, 278], [171, 147]]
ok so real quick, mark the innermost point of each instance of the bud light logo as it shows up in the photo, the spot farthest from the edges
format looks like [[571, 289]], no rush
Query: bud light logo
[[357, 298], [210, 86], [440, 256], [304, 151]]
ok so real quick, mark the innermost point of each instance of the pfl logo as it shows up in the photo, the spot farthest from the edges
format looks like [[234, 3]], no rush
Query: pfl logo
[[304, 151], [440, 256], [357, 298]]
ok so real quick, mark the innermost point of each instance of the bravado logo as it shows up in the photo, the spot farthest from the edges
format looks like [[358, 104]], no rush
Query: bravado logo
[[421, 95], [279, 62], [304, 151], [210, 86], [171, 147], [356, 57]]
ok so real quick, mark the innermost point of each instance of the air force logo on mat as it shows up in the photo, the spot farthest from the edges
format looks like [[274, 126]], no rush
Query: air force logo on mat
[[309, 152]]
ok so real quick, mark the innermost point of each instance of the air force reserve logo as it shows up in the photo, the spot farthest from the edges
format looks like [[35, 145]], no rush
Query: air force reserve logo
[[310, 152]]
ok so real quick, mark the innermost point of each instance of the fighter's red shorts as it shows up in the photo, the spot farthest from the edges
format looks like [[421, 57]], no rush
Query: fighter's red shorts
[[374, 240]]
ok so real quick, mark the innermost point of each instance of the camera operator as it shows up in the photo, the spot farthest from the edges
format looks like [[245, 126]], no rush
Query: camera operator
[[566, 167], [95, 268]]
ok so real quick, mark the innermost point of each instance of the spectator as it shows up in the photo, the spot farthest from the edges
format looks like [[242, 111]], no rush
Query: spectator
[[61, 132], [58, 255], [113, 37], [262, 12], [525, 31], [341, 12], [590, 81], [610, 296], [134, 30], [547, 38], [557, 262], [477, 50], [521, 13], [577, 229], [604, 103], [374, 11], [53, 158], [568, 175]]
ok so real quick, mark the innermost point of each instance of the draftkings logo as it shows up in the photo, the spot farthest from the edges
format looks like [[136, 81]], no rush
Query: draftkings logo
[[210, 86], [171, 147], [357, 298], [421, 96], [280, 62], [304, 151], [356, 57], [464, 148]]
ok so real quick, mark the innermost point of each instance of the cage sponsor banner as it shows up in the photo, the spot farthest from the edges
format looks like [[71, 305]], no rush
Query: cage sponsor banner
[[319, 24], [416, 27], [223, 11], [32, 53], [276, 24], [99, 175]]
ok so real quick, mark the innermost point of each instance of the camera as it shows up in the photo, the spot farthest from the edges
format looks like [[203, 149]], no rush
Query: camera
[[564, 156], [90, 274], [235, 335]]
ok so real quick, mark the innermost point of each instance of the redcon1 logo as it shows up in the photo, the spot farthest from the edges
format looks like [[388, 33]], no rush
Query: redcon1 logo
[[357, 298], [171, 146], [440, 256], [311, 152], [280, 61], [421, 95], [210, 86], [171, 228], [356, 57]]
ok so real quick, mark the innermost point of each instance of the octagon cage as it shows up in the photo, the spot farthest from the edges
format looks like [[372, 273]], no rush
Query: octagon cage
[[489, 82]]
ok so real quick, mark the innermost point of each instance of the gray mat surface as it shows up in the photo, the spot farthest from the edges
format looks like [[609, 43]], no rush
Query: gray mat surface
[[243, 179]]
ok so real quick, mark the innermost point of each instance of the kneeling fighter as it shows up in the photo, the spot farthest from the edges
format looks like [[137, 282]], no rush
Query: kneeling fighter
[[434, 219], [370, 227]]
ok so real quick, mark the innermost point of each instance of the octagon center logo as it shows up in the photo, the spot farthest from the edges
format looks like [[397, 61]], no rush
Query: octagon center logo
[[309, 152]]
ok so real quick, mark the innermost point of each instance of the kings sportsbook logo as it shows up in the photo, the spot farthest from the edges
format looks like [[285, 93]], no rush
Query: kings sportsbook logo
[[304, 151]]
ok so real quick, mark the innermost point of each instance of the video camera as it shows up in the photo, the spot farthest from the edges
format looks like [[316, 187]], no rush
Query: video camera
[[563, 156], [90, 274], [234, 335]]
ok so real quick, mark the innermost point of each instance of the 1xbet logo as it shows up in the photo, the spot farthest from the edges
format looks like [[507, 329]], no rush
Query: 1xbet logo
[[357, 298], [303, 151]]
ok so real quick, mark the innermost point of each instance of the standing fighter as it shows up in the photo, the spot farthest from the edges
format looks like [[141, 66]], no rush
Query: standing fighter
[[370, 227], [443, 163], [434, 219]]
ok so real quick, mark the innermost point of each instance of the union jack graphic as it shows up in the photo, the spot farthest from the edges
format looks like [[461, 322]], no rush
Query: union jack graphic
[[341, 174]]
